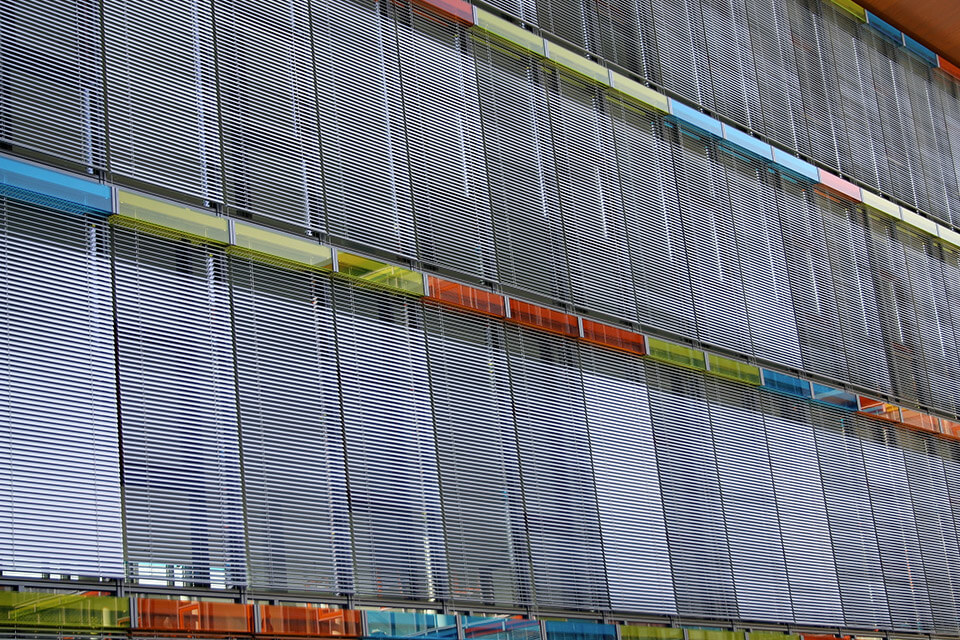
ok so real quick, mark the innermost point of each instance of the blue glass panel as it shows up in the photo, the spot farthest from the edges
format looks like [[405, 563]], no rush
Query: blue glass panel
[[885, 28], [836, 397], [400, 624], [500, 628], [920, 50], [795, 165], [782, 383], [747, 142], [52, 188], [580, 631], [695, 118]]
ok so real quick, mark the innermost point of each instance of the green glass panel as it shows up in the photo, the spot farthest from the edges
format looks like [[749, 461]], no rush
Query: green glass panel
[[576, 62], [676, 354], [380, 274], [170, 217], [734, 369], [710, 634], [280, 247], [68, 611], [636, 632], [509, 31], [639, 92]]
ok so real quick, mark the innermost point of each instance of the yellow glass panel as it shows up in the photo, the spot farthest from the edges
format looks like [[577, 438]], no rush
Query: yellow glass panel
[[66, 611], [949, 235], [918, 221], [509, 31], [734, 369], [853, 8], [711, 634], [882, 205], [635, 90], [637, 632], [280, 247], [172, 217], [576, 62], [676, 354], [380, 274]]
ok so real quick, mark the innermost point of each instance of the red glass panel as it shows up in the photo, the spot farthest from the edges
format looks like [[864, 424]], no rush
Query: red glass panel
[[949, 67], [309, 621], [919, 420], [462, 11], [839, 185], [545, 319], [460, 295], [614, 337]]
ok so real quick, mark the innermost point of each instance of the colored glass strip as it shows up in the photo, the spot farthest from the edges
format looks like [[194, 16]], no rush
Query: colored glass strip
[[284, 620], [538, 317], [676, 354], [638, 632], [852, 8], [25, 181], [639, 92], [714, 634], [884, 27], [457, 9], [835, 397], [795, 165], [577, 63], [919, 420], [948, 235], [733, 369], [747, 142], [156, 614], [279, 247], [74, 611], [613, 337], [575, 630], [928, 55], [509, 31], [948, 67], [879, 409], [950, 428], [380, 274], [878, 203], [693, 117], [168, 217], [918, 221], [788, 385], [464, 297], [838, 185]]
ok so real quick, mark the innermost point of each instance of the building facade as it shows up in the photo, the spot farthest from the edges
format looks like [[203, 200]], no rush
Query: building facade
[[471, 315]]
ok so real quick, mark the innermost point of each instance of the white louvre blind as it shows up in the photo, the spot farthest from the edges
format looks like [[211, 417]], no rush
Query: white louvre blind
[[298, 535], [52, 96], [59, 467], [181, 466], [558, 486], [486, 538], [391, 456], [268, 109], [628, 488], [161, 94]]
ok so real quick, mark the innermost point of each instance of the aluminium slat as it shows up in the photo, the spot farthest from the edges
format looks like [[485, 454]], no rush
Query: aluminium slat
[[630, 506], [730, 57], [395, 515], [60, 482], [949, 265], [627, 37], [749, 503], [949, 94], [558, 488], [575, 21], [479, 466], [682, 53], [948, 453], [288, 404], [182, 505]]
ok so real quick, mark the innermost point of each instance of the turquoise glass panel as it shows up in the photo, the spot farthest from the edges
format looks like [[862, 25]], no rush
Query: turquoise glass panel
[[929, 56], [747, 142], [836, 397], [54, 189], [577, 630], [795, 165], [693, 117], [401, 624], [500, 628], [782, 383], [885, 28]]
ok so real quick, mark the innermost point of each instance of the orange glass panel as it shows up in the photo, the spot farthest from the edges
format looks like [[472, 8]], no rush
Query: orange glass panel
[[194, 616], [949, 67], [462, 11], [879, 409], [309, 621], [158, 614], [460, 295], [608, 336], [950, 428], [545, 319], [919, 420]]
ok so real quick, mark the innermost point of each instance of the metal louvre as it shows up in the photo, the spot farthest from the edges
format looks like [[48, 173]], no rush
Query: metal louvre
[[730, 57], [804, 526], [295, 497], [850, 517], [484, 525], [653, 224], [627, 37], [750, 509], [268, 109], [61, 111], [522, 172], [183, 514], [711, 244], [948, 453], [846, 241], [628, 489], [762, 264], [811, 276], [893, 517], [575, 21], [395, 513], [450, 193], [949, 94], [163, 124], [365, 165], [780, 98], [935, 528], [693, 509], [682, 49], [558, 488], [59, 478], [593, 219], [950, 268]]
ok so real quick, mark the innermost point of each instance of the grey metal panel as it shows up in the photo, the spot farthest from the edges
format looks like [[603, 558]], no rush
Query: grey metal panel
[[479, 466], [628, 489], [693, 509], [558, 488], [750, 508], [52, 70], [298, 534], [808, 551], [59, 468], [182, 504], [391, 455]]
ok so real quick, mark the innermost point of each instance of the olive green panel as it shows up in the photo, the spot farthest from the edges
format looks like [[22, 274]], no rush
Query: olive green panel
[[711, 634], [576, 62], [676, 354], [509, 31], [26, 610], [380, 274], [276, 247], [734, 369], [177, 218], [853, 8], [635, 90], [882, 205], [636, 632]]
